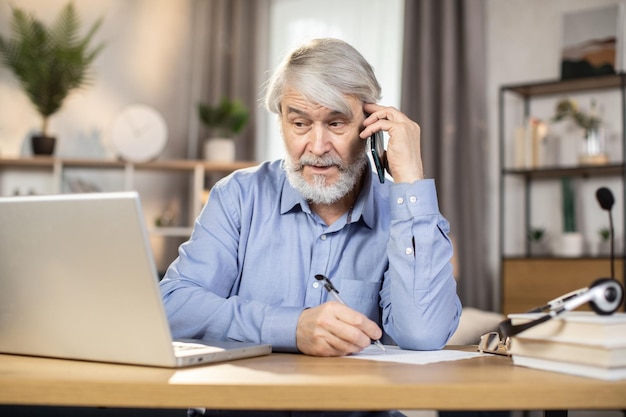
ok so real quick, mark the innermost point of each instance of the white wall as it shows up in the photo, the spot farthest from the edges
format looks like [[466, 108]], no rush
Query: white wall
[[524, 43]]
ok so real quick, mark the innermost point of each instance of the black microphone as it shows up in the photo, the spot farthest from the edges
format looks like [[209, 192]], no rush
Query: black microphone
[[606, 200]]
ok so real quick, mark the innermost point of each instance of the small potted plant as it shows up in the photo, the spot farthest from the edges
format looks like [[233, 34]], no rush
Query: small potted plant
[[49, 62], [537, 239], [223, 121], [593, 150], [604, 241]]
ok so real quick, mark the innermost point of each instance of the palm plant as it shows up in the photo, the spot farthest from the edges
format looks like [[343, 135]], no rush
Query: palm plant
[[49, 61]]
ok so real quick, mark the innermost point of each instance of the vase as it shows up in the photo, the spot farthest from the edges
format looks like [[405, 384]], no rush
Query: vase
[[593, 150], [539, 248], [604, 248], [219, 150], [570, 244]]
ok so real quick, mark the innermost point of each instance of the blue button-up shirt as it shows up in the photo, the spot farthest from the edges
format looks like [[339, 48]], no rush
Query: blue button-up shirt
[[248, 270]]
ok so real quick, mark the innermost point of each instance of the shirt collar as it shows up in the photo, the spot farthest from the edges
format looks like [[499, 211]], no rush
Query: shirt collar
[[363, 208], [290, 198]]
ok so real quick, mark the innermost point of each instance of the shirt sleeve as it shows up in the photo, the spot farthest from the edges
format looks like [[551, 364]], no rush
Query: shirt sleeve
[[200, 287], [419, 302]]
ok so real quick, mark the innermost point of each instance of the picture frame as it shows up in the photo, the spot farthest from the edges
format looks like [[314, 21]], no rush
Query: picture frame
[[592, 42]]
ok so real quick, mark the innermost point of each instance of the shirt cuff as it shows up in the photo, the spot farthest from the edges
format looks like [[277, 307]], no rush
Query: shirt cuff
[[279, 328], [411, 200]]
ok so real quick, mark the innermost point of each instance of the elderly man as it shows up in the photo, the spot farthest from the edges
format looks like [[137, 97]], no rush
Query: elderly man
[[248, 272]]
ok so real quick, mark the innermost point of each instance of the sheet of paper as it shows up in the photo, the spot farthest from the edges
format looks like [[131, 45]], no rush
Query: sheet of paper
[[415, 357]]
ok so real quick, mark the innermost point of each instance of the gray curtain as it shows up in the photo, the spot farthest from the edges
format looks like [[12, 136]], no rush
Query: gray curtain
[[227, 34], [443, 89]]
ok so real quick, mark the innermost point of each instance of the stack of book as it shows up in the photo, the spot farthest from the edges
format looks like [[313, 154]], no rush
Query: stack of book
[[578, 343]]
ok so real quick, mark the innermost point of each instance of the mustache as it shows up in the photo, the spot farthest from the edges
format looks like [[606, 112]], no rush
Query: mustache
[[319, 161]]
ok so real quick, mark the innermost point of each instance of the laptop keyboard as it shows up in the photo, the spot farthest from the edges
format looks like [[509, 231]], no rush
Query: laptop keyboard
[[185, 346]]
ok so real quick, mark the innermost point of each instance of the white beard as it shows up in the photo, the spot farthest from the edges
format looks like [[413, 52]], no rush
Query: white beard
[[319, 192]]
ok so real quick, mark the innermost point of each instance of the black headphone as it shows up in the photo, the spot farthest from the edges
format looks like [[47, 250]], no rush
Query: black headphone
[[604, 295]]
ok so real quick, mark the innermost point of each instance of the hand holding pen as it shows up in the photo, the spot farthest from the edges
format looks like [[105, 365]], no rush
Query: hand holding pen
[[328, 286]]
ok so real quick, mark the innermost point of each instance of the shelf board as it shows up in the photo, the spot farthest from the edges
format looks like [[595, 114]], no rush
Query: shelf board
[[551, 87], [190, 165], [173, 164], [44, 162], [574, 171], [183, 232], [560, 258]]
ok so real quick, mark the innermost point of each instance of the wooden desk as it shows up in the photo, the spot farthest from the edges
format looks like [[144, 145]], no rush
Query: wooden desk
[[298, 382]]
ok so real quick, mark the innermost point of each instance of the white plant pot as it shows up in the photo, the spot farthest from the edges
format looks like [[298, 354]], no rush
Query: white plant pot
[[539, 248], [603, 248], [219, 150], [570, 245]]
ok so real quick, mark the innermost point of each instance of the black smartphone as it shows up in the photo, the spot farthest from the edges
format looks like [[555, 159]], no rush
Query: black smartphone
[[378, 154]]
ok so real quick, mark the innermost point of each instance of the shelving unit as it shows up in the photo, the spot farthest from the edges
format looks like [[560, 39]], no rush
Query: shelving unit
[[528, 281], [54, 170]]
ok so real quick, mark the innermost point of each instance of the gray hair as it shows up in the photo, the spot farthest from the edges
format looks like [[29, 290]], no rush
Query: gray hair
[[324, 71]]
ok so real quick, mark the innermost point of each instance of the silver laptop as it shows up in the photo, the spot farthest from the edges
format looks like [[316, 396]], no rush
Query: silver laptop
[[78, 281]]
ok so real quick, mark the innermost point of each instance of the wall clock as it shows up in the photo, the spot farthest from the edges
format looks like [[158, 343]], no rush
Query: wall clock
[[139, 133]]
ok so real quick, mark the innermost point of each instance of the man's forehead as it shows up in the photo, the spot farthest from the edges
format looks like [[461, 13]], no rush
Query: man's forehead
[[311, 110], [294, 102]]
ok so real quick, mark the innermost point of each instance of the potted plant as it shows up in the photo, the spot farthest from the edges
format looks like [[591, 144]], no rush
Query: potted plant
[[223, 121], [571, 239], [49, 62], [604, 242], [593, 150], [537, 239]]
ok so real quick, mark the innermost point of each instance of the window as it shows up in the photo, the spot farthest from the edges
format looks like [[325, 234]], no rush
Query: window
[[373, 27]]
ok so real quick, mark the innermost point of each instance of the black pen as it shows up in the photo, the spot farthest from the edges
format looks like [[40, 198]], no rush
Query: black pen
[[335, 294]]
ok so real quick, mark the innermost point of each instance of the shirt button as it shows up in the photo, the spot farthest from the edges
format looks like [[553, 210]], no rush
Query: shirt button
[[413, 199], [316, 284], [323, 237], [408, 251], [400, 200]]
